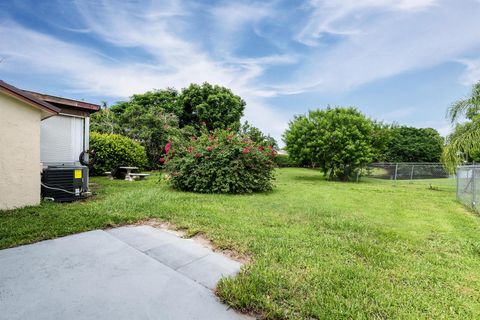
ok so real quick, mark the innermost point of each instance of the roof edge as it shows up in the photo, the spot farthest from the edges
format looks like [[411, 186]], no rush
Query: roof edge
[[91, 107], [28, 98]]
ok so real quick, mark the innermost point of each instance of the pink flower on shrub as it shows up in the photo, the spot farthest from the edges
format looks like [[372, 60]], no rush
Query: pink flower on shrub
[[260, 148], [209, 148], [167, 147], [246, 150], [270, 147], [228, 129], [162, 160], [193, 138], [197, 155], [190, 149]]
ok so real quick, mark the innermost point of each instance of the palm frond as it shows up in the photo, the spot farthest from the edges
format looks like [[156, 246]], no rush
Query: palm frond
[[458, 109], [461, 108], [461, 146]]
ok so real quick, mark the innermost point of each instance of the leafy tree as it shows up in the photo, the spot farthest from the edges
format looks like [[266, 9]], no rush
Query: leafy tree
[[300, 141], [149, 118], [338, 140], [381, 138], [152, 126], [215, 106], [257, 136], [409, 144], [104, 121], [464, 143], [156, 117], [166, 99]]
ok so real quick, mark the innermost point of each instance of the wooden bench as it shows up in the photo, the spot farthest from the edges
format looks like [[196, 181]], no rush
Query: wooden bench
[[139, 176]]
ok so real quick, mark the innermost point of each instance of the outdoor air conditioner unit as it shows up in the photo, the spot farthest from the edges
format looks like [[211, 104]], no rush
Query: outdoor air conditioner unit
[[65, 183]]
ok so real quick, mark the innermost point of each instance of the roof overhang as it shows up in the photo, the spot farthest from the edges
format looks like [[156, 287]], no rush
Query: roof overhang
[[47, 110], [65, 103]]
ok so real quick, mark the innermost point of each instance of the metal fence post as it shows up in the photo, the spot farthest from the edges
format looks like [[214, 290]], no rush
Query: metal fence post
[[474, 188], [457, 176], [396, 169], [411, 173]]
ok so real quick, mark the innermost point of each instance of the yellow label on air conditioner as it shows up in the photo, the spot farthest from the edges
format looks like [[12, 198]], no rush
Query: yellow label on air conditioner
[[78, 174]]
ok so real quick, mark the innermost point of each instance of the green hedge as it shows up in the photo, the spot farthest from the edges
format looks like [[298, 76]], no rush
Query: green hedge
[[113, 150], [284, 161]]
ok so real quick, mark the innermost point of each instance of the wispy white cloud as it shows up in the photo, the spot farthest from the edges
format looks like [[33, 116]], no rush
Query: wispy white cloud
[[471, 75], [390, 44], [350, 17], [233, 16], [334, 46], [91, 71], [155, 29]]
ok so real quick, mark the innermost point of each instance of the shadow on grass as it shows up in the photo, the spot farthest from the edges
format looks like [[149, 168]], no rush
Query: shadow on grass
[[319, 177], [312, 178]]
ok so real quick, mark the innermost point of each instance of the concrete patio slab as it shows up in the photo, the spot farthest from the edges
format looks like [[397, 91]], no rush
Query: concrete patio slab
[[143, 238], [184, 255], [209, 269], [178, 254], [95, 275]]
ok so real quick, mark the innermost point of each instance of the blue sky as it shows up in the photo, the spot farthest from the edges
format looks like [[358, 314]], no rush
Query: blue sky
[[396, 60]]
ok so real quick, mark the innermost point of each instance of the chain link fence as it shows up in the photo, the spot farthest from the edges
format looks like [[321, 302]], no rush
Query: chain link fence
[[468, 185], [406, 171]]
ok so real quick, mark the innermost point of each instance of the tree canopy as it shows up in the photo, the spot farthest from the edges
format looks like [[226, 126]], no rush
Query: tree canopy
[[257, 136], [338, 140], [158, 116], [215, 107], [148, 118], [409, 144]]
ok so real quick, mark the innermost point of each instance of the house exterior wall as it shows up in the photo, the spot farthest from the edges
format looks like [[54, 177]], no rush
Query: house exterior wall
[[19, 153]]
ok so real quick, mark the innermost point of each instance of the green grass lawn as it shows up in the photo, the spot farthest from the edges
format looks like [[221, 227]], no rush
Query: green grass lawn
[[374, 249]]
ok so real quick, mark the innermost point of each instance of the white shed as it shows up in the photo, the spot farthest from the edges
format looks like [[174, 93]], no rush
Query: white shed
[[64, 137]]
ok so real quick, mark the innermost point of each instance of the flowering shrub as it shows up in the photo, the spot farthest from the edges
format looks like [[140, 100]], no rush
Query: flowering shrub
[[220, 162]]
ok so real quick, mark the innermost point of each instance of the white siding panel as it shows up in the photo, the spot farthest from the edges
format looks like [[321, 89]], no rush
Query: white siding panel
[[77, 137], [87, 133], [62, 139]]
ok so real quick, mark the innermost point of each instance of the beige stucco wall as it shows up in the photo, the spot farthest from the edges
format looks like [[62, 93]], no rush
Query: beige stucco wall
[[19, 153]]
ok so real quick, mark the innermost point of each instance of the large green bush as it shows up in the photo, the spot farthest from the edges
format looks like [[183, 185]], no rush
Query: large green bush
[[220, 162], [409, 144], [338, 140], [284, 161], [113, 150]]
